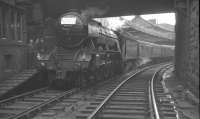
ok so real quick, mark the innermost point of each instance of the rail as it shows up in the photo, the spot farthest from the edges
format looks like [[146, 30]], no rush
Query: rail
[[152, 99], [26, 113], [40, 106], [22, 95], [101, 106], [105, 101]]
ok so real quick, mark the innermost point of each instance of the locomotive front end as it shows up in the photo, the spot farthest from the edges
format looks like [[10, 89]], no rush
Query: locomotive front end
[[72, 29], [86, 52], [71, 19]]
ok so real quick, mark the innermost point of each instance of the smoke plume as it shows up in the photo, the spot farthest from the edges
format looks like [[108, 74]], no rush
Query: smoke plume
[[92, 12]]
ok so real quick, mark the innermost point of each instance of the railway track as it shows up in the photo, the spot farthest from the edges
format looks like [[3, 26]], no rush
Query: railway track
[[118, 99], [25, 105], [138, 97], [132, 101], [28, 104], [92, 98], [73, 100]]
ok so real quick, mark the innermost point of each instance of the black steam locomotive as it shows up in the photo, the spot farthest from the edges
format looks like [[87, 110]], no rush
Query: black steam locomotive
[[81, 52]]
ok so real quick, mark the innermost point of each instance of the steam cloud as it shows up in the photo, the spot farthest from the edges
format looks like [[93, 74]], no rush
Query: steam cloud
[[92, 12]]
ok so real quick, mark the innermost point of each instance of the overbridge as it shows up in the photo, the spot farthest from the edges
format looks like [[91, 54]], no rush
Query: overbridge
[[111, 7]]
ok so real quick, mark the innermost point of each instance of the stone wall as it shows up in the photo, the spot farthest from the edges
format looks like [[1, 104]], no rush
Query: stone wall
[[187, 45]]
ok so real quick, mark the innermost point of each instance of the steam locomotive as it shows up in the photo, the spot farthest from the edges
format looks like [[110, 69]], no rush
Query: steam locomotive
[[81, 52]]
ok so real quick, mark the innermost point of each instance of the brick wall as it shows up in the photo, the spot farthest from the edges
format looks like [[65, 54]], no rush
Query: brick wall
[[187, 45]]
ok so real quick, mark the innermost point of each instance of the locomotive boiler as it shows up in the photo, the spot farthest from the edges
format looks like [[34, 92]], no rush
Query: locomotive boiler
[[81, 52]]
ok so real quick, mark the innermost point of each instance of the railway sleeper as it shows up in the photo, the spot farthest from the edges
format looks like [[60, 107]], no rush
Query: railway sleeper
[[118, 116], [125, 107]]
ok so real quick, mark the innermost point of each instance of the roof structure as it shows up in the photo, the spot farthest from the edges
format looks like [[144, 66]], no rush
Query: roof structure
[[139, 29]]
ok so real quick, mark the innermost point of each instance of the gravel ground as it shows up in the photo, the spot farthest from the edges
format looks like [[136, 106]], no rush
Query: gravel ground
[[186, 103], [81, 100], [73, 105], [68, 110], [70, 107]]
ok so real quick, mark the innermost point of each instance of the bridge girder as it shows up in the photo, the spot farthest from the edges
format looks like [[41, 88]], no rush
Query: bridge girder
[[55, 8]]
